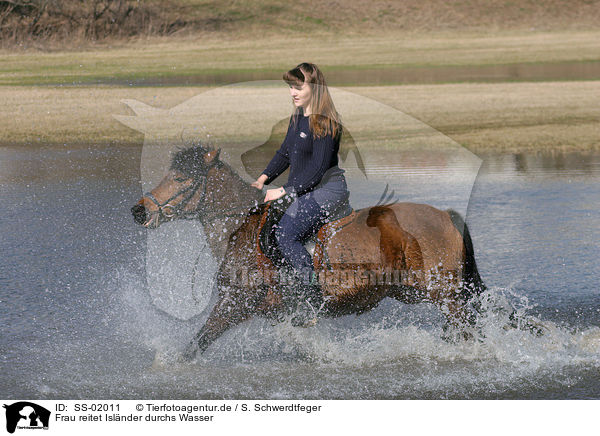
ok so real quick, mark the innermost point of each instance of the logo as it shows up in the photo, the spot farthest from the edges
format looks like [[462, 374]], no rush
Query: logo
[[25, 415]]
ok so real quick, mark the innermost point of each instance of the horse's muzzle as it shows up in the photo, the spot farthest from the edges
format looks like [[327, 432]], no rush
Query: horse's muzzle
[[139, 214]]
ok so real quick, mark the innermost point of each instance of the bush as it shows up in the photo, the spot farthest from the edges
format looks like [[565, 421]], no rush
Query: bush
[[88, 19]]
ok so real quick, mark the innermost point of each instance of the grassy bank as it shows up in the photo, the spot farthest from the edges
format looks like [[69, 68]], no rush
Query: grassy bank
[[510, 117], [187, 60], [69, 96]]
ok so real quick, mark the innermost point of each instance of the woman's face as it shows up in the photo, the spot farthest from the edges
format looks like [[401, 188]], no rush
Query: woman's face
[[301, 95]]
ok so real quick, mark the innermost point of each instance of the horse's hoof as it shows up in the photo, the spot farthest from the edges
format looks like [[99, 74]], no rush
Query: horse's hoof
[[302, 321], [189, 353], [455, 334], [159, 362], [534, 327], [276, 318]]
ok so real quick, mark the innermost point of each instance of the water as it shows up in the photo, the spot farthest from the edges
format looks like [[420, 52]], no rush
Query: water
[[78, 320]]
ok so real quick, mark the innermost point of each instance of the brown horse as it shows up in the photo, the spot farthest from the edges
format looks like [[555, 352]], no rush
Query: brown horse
[[410, 252]]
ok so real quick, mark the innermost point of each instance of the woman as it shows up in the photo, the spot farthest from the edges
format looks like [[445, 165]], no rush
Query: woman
[[316, 186]]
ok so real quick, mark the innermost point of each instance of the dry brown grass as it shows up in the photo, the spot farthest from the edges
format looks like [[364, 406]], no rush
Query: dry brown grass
[[507, 117], [504, 116]]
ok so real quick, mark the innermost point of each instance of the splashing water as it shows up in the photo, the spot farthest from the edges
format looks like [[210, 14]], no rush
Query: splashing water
[[396, 351]]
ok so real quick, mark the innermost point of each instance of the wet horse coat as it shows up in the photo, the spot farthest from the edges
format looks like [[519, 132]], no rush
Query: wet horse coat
[[424, 260], [426, 253], [368, 256]]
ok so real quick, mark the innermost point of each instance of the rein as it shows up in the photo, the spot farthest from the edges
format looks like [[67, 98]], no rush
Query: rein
[[168, 211]]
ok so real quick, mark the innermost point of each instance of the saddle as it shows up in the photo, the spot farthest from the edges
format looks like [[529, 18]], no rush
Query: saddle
[[272, 214]]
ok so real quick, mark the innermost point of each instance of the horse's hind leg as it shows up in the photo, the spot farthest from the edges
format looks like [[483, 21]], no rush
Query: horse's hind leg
[[460, 316], [407, 294]]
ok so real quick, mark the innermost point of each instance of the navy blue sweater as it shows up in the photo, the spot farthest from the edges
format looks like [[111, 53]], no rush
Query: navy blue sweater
[[308, 157]]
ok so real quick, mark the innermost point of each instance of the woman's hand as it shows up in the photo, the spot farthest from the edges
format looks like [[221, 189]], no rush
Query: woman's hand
[[274, 194], [260, 182]]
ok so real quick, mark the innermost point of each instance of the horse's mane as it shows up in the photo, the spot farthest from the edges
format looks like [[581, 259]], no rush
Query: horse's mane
[[190, 161]]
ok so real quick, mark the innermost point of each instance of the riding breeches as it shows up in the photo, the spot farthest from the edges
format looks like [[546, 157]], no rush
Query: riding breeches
[[304, 217]]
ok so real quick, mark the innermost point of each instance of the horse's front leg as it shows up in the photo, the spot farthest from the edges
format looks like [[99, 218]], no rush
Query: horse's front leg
[[235, 305]]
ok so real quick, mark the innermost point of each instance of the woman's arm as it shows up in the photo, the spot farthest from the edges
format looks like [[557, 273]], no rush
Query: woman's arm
[[260, 182], [278, 164], [281, 161]]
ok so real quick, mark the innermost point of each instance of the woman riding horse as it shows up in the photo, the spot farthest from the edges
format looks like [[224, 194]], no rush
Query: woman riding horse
[[316, 186], [428, 251]]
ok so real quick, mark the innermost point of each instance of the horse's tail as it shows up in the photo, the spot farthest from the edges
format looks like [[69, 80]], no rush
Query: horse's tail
[[472, 283]]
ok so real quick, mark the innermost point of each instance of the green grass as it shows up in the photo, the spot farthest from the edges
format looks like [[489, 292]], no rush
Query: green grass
[[268, 57]]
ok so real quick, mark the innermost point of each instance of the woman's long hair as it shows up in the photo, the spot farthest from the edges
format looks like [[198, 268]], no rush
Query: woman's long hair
[[324, 119]]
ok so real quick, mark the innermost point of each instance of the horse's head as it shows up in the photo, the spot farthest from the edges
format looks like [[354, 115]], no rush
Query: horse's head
[[183, 190]]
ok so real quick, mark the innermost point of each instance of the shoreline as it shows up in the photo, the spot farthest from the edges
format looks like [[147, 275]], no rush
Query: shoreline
[[564, 71]]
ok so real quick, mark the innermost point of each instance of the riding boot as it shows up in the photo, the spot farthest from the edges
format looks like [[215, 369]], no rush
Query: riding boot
[[309, 306], [302, 298]]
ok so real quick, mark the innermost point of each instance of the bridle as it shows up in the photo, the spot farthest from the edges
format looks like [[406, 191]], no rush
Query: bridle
[[167, 211]]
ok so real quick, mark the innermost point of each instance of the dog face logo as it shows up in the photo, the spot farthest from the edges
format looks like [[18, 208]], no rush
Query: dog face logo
[[26, 415]]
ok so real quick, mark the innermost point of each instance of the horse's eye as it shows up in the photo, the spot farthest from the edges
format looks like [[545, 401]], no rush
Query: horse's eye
[[180, 179]]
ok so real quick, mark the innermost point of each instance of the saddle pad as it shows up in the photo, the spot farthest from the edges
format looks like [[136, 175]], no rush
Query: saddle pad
[[267, 243]]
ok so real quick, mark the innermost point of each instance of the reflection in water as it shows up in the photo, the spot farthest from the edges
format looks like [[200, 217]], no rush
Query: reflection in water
[[542, 164], [52, 163], [469, 73]]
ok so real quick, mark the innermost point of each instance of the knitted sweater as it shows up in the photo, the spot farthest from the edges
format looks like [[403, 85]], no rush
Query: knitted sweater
[[308, 157]]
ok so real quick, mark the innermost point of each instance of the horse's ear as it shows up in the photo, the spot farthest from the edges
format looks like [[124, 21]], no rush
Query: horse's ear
[[211, 156]]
